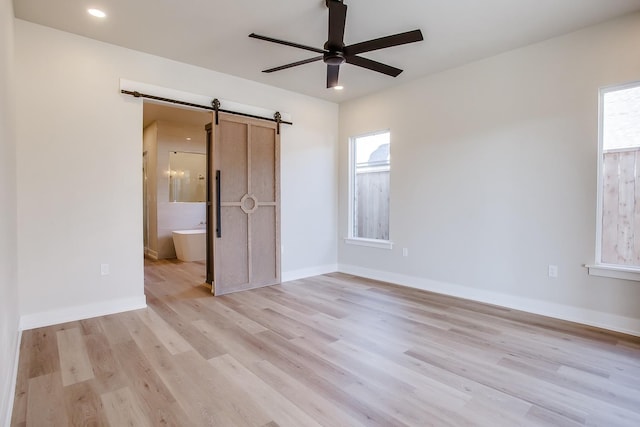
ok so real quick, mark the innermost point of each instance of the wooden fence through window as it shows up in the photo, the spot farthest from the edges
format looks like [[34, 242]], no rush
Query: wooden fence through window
[[620, 208], [372, 205]]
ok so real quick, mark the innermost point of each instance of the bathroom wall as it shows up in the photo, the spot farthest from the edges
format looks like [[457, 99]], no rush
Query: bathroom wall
[[172, 136], [187, 180]]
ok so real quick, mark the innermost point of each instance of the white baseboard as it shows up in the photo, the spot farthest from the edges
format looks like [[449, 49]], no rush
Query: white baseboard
[[613, 322], [80, 312], [14, 378], [288, 276]]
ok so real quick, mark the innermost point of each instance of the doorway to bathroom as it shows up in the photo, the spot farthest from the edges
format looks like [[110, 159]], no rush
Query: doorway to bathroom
[[174, 187]]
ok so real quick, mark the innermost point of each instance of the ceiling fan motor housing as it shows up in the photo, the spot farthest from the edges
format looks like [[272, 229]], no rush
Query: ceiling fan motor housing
[[334, 58]]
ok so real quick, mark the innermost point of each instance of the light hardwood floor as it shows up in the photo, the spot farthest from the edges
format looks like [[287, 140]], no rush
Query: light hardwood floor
[[332, 350]]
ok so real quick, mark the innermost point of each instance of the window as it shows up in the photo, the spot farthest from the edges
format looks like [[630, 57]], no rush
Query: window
[[369, 170], [618, 244]]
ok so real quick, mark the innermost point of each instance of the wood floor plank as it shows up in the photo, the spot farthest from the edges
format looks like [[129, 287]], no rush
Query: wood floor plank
[[436, 391], [318, 373], [526, 386], [239, 319], [210, 399], [41, 348], [582, 382], [499, 413], [517, 385], [309, 400], [182, 326], [108, 375], [233, 340], [75, 364], [185, 376], [91, 326], [115, 331], [281, 410], [83, 405], [122, 408], [408, 396], [45, 404], [158, 401], [333, 350], [405, 408], [287, 327], [288, 315], [167, 335]]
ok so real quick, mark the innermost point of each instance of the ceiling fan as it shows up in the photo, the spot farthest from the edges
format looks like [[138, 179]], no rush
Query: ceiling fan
[[335, 53]]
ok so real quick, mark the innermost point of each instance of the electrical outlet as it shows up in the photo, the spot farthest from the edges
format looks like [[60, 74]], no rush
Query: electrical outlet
[[104, 269], [553, 271], [405, 251]]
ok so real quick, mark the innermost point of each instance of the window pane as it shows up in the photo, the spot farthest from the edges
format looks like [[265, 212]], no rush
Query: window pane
[[371, 168], [621, 177], [621, 119]]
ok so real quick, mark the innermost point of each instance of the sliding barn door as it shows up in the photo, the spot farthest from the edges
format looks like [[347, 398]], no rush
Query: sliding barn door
[[245, 204]]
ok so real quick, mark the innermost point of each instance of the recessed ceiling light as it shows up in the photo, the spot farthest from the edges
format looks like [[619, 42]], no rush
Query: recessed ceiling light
[[338, 87], [97, 13], [188, 139]]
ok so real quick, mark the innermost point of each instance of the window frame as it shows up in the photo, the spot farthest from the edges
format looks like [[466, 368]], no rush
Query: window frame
[[351, 238], [617, 271]]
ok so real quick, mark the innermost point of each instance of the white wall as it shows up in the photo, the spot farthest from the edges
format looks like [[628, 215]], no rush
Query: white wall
[[494, 177], [8, 262], [79, 170]]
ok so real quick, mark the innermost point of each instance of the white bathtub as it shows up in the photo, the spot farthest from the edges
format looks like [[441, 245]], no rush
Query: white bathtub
[[191, 245]]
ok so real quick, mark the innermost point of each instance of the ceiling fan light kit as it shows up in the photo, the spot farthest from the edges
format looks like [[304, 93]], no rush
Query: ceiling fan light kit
[[335, 53]]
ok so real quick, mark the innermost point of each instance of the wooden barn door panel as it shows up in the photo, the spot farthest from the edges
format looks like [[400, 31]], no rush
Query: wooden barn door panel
[[232, 254], [246, 254]]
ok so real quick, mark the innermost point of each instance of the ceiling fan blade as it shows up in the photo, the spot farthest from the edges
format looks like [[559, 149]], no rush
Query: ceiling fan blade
[[373, 65], [337, 20], [332, 75], [294, 64], [384, 42], [286, 43]]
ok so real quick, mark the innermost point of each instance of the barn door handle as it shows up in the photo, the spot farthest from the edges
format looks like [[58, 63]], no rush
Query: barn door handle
[[218, 219]]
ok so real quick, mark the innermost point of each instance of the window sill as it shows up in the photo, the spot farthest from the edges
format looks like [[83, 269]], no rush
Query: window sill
[[614, 271], [372, 243]]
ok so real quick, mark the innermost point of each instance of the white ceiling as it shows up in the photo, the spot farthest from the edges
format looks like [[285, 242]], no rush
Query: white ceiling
[[213, 33]]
